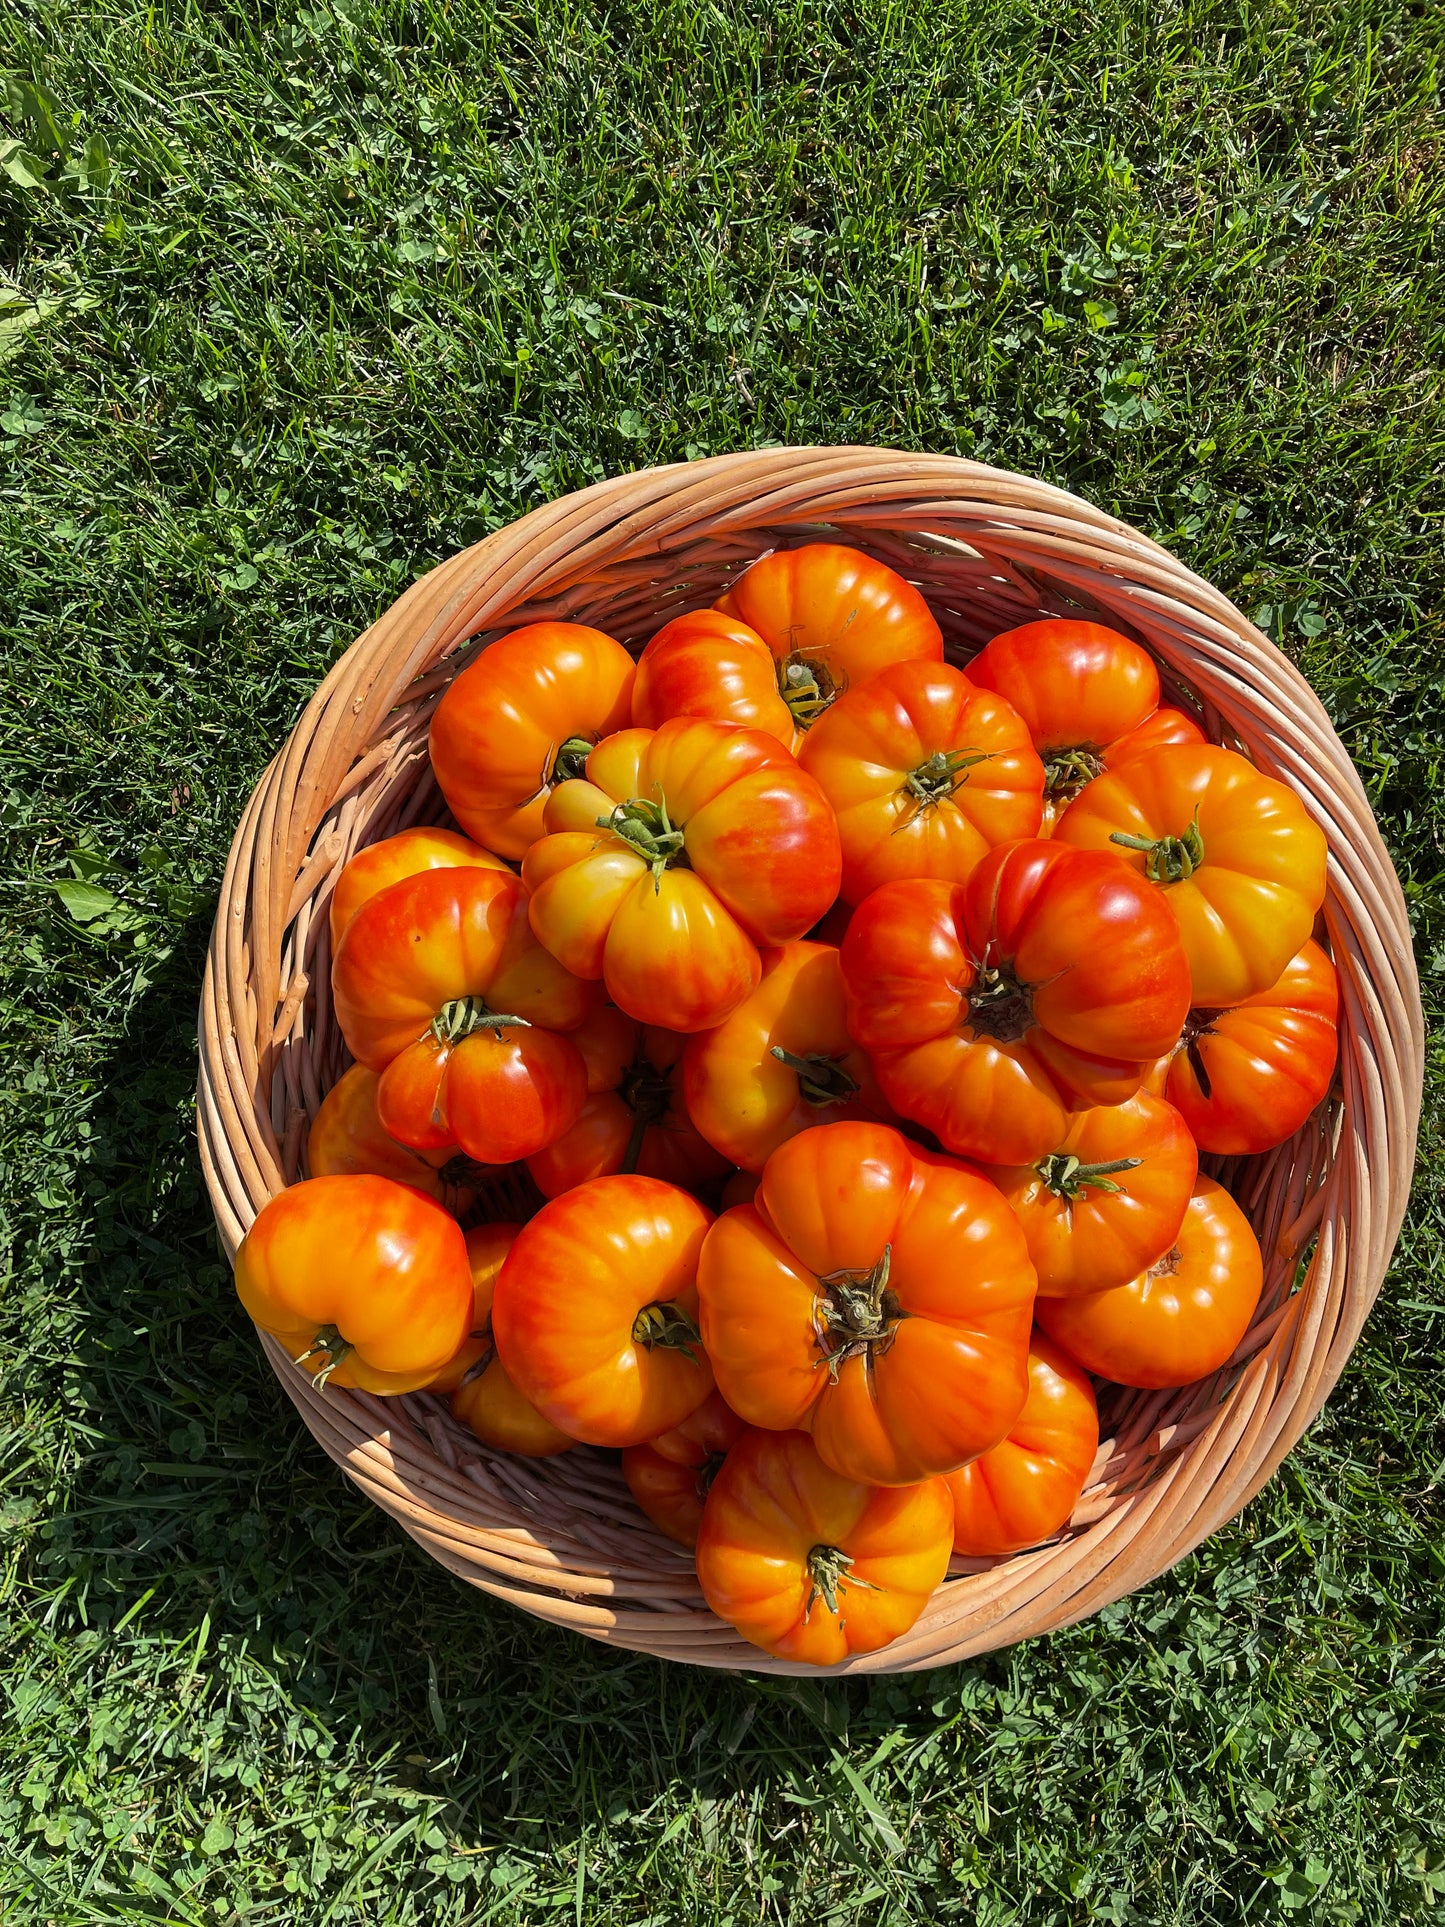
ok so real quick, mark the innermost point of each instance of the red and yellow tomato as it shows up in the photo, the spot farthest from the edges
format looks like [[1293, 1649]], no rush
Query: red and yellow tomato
[[709, 664], [670, 1476], [346, 1138], [1026, 1488], [406, 854], [483, 1396]]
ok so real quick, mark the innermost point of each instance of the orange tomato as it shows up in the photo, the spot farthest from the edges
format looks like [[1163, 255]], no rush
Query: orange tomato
[[1179, 1320], [483, 1396], [670, 1476], [1108, 1199], [346, 1138], [1240, 863], [395, 857], [832, 617], [522, 718], [595, 1314], [364, 1281], [926, 774], [874, 1295], [683, 851], [635, 1117], [783, 1061], [1025, 1489], [1247, 1078], [812, 1566], [1082, 980], [440, 985], [707, 664]]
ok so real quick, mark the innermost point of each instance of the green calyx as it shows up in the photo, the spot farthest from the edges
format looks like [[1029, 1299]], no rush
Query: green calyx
[[1066, 1177], [666, 1327], [936, 778], [463, 1015], [855, 1313], [807, 687], [1067, 771], [647, 828], [1167, 859], [821, 1080], [328, 1342], [570, 761], [828, 1567]]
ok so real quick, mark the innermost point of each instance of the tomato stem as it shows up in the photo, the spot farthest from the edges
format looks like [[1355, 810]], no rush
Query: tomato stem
[[828, 1567], [1167, 859], [1000, 1005], [1066, 1177], [647, 1093], [1168, 1265], [1067, 771], [570, 762], [937, 777], [667, 1326], [649, 830], [807, 688], [821, 1080], [463, 1015], [328, 1340], [854, 1313], [1199, 1023]]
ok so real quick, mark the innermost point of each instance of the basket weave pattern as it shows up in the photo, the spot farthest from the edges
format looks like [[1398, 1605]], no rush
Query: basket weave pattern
[[561, 1537]]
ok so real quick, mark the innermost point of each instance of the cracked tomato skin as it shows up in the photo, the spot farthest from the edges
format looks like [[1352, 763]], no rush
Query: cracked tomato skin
[[1086, 1236], [1181, 1319], [595, 1312], [482, 1395], [730, 848], [774, 1507], [1103, 982], [371, 1260], [928, 1370], [670, 1475], [497, 732], [708, 664], [1248, 903], [403, 855], [1026, 1488], [746, 1100], [876, 740], [1248, 1077]]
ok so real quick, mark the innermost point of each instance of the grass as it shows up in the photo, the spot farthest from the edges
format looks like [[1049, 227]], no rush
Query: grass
[[297, 300]]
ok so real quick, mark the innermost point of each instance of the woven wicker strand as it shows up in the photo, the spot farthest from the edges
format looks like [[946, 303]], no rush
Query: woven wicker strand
[[559, 1538]]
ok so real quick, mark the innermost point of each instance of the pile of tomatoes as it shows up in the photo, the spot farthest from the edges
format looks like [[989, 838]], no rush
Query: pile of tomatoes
[[855, 1023]]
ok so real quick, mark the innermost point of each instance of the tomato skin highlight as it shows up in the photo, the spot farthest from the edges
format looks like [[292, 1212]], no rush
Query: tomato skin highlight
[[781, 1532], [378, 865], [368, 1277], [1026, 1488], [595, 1313], [1233, 853], [498, 729], [670, 1475], [1180, 1320], [1267, 1062]]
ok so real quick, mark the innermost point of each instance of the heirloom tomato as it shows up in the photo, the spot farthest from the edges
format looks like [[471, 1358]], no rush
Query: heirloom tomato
[[483, 1396], [1108, 1199], [683, 851], [994, 1009], [595, 1313], [1182, 1318], [707, 664], [1025, 1489], [832, 617], [669, 1476], [1240, 863], [635, 1118], [522, 718], [781, 1062], [812, 1566], [440, 986], [346, 1137], [926, 774], [1246, 1078], [874, 1295], [406, 854], [364, 1281]]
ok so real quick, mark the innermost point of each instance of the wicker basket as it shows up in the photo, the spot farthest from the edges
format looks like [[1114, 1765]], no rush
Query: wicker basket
[[560, 1537]]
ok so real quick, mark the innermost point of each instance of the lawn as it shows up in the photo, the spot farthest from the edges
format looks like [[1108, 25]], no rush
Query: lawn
[[296, 300]]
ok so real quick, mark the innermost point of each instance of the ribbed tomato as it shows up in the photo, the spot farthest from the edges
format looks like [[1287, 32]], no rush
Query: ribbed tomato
[[1108, 1200], [709, 664], [635, 1117], [812, 1566], [1240, 863], [440, 986], [1079, 976], [874, 1295], [1179, 1320], [683, 851], [403, 855], [926, 772], [670, 1475], [595, 1313], [783, 1061], [346, 1138], [832, 618], [1025, 1489], [522, 718], [483, 1396], [364, 1281], [1246, 1078]]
